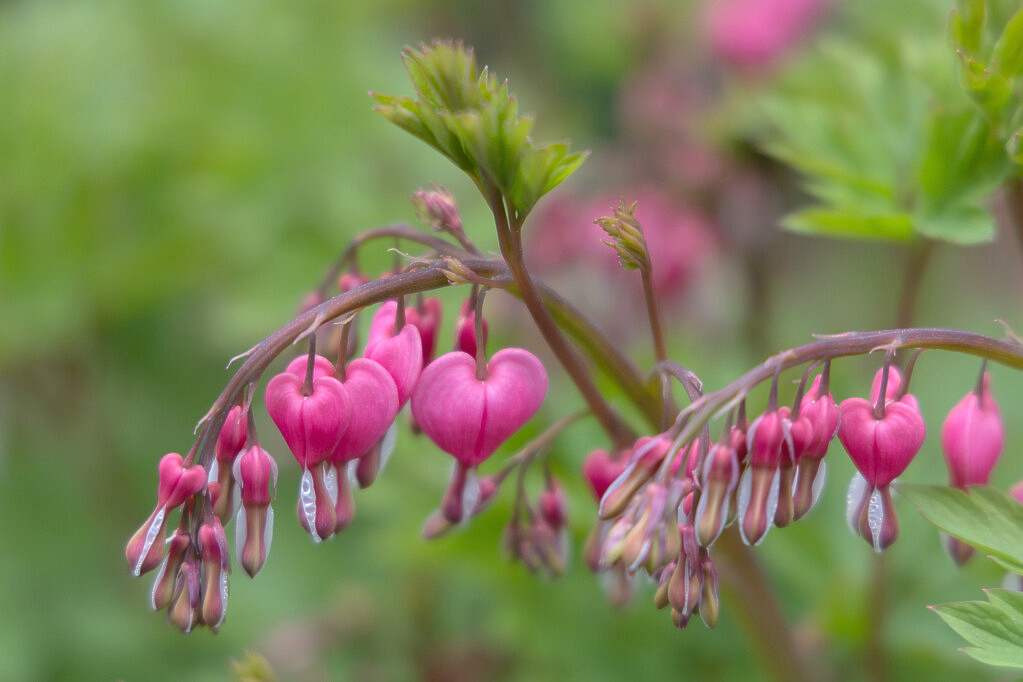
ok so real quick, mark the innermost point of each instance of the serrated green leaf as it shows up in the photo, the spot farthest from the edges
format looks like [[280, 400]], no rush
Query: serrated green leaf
[[987, 87], [1007, 57], [985, 518], [848, 224], [995, 628]]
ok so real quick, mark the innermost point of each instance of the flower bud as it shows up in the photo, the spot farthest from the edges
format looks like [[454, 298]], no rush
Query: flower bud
[[178, 482], [600, 470], [971, 438], [643, 462], [798, 434], [719, 479], [256, 473], [426, 317], [216, 564], [183, 611], [465, 329], [166, 578], [710, 605], [437, 208], [230, 442], [824, 415], [553, 506], [758, 488], [145, 548]]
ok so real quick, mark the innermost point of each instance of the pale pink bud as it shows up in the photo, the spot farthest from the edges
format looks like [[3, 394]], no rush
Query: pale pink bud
[[400, 353], [232, 436], [166, 578], [145, 548], [719, 478], [183, 611], [798, 435], [758, 489], [437, 208], [553, 505], [465, 329], [642, 463], [470, 418], [971, 438], [426, 317], [256, 473], [752, 33], [824, 415], [216, 564]]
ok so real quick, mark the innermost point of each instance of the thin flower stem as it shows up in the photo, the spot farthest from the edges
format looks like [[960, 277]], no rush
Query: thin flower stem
[[1005, 352], [918, 256], [656, 330], [590, 340], [510, 240]]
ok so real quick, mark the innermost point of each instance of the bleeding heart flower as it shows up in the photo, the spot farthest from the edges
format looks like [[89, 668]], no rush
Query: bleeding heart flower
[[468, 417], [881, 448], [972, 437], [311, 424], [401, 353], [375, 405]]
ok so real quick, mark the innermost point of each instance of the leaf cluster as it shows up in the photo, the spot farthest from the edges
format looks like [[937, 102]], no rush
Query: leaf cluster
[[993, 523], [471, 118], [890, 146]]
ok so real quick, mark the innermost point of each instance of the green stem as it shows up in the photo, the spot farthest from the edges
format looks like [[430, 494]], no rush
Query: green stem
[[656, 331], [509, 238]]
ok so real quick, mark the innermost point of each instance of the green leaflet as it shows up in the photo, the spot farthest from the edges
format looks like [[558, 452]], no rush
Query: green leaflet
[[464, 114]]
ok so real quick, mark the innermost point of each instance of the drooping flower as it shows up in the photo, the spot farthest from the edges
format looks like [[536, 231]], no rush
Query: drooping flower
[[400, 351]]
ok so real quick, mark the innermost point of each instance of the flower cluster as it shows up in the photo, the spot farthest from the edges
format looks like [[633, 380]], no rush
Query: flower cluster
[[663, 505], [339, 421]]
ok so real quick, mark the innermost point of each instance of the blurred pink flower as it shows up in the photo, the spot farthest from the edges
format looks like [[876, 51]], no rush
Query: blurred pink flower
[[749, 33], [679, 239]]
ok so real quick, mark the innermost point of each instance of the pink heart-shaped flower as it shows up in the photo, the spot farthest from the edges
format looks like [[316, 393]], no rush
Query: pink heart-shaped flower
[[311, 424], [400, 354], [881, 448], [178, 483], [469, 418], [375, 405]]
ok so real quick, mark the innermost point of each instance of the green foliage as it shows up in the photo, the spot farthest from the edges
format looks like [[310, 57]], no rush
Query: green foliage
[[889, 147], [985, 518], [992, 522], [994, 627], [464, 114]]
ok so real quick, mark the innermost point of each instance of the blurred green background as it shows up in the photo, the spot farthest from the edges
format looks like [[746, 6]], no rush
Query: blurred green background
[[174, 176]]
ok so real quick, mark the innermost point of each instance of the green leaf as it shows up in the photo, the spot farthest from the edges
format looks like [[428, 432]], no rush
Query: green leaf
[[1007, 564], [1007, 57], [966, 25], [985, 518], [849, 224], [959, 224], [990, 89], [473, 121], [994, 627]]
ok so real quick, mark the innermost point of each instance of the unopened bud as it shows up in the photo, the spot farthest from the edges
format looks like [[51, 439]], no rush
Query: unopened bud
[[710, 606], [720, 477], [644, 461], [166, 579], [145, 548], [216, 564], [183, 611], [437, 208]]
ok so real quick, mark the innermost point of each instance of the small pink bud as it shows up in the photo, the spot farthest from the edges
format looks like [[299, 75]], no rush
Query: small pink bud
[[426, 317], [256, 473], [971, 438], [824, 415], [798, 435], [216, 564], [553, 505], [310, 424], [470, 418], [232, 436], [401, 353], [881, 448], [753, 33], [350, 280], [719, 478], [600, 470], [465, 329], [437, 208], [166, 578], [642, 463], [758, 489], [178, 482], [686, 585]]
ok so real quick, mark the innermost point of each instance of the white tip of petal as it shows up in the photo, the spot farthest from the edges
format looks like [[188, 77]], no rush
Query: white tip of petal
[[742, 498], [307, 498], [151, 534], [390, 439], [853, 499]]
